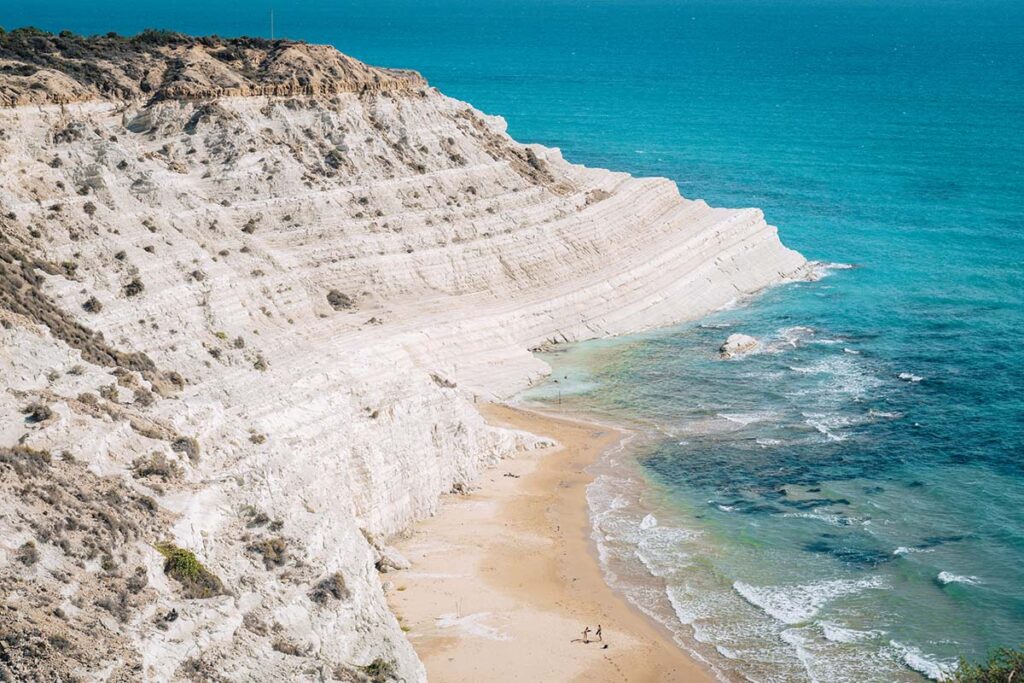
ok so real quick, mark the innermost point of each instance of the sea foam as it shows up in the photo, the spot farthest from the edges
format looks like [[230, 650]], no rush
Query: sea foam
[[745, 419], [841, 634], [797, 604], [822, 269], [904, 550], [921, 663], [827, 425], [948, 577]]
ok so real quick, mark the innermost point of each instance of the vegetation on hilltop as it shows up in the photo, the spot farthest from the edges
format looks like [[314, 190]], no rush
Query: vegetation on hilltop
[[77, 55], [1004, 665], [29, 41], [37, 67]]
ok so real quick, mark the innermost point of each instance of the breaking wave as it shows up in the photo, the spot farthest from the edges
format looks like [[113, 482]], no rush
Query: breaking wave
[[945, 578], [797, 604]]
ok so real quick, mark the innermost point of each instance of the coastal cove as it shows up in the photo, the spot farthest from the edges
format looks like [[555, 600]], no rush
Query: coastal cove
[[505, 577]]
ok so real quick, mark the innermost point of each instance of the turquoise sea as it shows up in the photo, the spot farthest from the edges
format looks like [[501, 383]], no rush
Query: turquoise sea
[[848, 504]]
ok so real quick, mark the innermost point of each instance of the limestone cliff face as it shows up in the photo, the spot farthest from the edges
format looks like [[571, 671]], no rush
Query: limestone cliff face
[[251, 291]]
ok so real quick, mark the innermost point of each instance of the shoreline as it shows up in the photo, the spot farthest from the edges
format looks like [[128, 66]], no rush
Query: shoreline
[[504, 578]]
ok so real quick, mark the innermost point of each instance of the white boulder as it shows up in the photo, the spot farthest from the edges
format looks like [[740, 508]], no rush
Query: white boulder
[[738, 345]]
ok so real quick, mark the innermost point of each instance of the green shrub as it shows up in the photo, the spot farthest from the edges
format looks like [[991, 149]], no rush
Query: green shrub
[[25, 461], [339, 301], [330, 588], [156, 465], [183, 566], [92, 305], [158, 37], [1004, 665], [380, 670], [187, 445], [28, 554], [287, 648], [134, 288], [273, 551], [37, 412]]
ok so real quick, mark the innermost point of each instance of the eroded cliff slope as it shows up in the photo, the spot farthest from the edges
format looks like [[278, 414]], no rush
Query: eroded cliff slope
[[249, 294]]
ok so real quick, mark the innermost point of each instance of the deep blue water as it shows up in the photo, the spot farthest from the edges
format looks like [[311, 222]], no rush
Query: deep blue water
[[817, 516]]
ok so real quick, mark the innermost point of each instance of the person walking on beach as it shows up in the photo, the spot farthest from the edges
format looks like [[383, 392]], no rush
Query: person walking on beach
[[586, 634], [598, 633]]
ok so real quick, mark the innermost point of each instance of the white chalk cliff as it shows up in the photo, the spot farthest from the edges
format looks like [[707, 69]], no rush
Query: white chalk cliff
[[252, 291]]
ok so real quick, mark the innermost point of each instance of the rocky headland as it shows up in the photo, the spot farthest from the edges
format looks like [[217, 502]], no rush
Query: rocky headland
[[251, 292]]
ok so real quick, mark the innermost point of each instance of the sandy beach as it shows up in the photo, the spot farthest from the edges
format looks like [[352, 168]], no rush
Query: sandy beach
[[505, 578]]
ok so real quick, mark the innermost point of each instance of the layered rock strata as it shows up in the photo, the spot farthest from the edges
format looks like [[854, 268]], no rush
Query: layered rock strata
[[251, 291]]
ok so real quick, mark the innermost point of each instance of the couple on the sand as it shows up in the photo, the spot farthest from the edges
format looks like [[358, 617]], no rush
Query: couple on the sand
[[586, 633]]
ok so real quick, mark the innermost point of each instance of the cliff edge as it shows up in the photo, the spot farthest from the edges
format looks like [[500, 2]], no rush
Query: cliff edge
[[43, 68]]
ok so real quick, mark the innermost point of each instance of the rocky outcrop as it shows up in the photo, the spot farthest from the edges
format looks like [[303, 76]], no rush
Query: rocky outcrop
[[738, 345], [272, 317]]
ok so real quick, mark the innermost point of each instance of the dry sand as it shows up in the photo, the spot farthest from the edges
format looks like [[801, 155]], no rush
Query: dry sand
[[505, 578]]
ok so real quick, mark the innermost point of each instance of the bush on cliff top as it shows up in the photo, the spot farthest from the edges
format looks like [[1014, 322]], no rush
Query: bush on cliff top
[[80, 57], [113, 44]]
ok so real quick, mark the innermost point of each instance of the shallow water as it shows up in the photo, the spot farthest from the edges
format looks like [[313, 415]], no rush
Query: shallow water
[[848, 504], [803, 513]]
